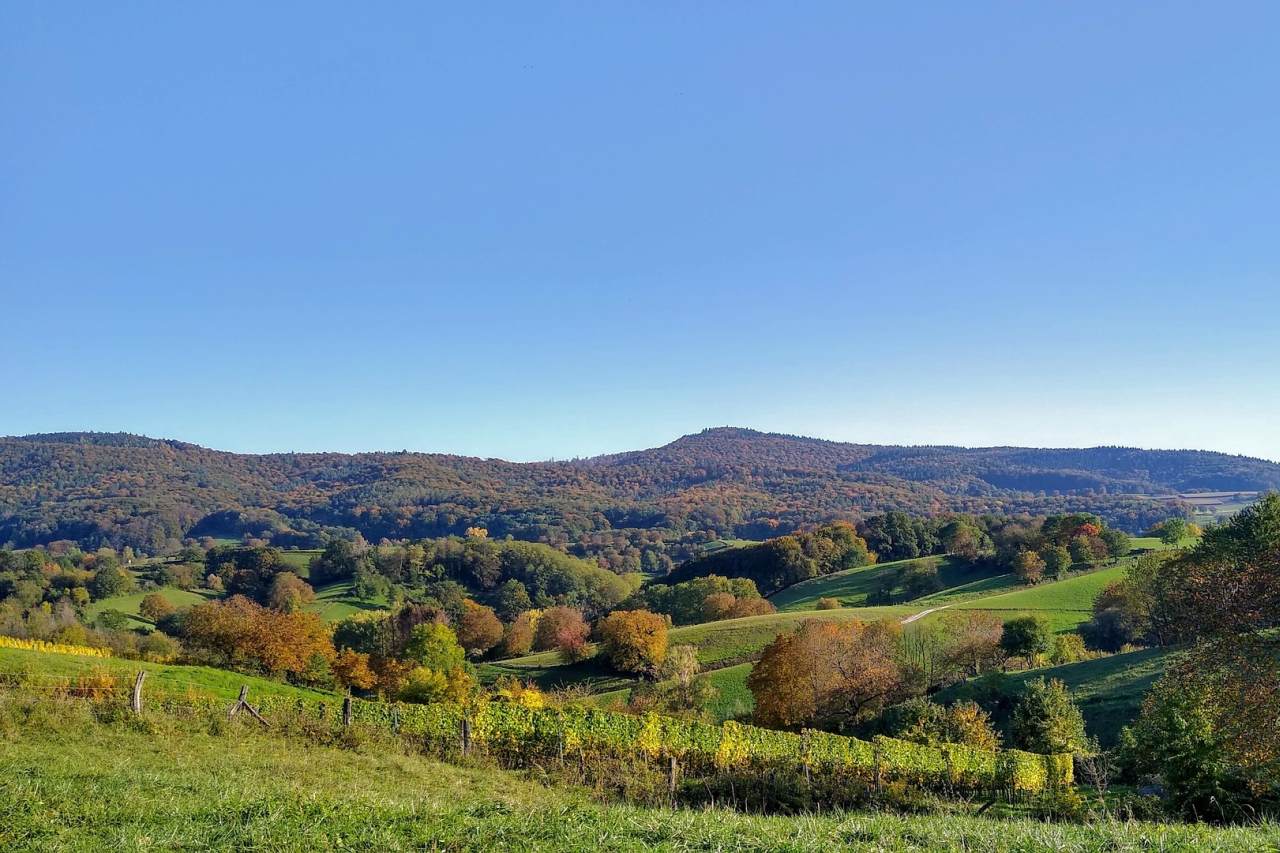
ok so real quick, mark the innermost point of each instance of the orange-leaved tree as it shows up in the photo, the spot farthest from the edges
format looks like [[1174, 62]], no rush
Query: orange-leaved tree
[[634, 640], [829, 674]]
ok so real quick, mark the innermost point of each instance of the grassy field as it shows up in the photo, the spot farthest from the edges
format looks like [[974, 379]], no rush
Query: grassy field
[[128, 604], [1064, 603], [1108, 690], [852, 586], [44, 667], [73, 782], [298, 561], [336, 601]]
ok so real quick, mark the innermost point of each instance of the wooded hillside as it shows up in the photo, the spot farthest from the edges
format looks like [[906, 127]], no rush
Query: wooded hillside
[[636, 510]]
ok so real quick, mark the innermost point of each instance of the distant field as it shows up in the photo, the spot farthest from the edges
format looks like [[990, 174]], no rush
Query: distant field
[[203, 680], [725, 544], [1064, 603], [336, 601], [130, 603], [852, 586], [299, 561]]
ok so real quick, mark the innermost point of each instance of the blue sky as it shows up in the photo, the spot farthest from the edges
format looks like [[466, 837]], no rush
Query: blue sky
[[541, 230]]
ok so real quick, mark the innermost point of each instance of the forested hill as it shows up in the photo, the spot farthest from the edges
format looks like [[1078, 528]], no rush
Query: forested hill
[[119, 489]]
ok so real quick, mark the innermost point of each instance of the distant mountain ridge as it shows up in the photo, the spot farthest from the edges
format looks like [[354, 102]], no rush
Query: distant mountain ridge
[[118, 488]]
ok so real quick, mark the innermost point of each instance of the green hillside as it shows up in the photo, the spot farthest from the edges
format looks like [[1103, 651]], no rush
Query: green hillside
[[1064, 603], [852, 586], [1109, 690], [337, 601], [129, 604]]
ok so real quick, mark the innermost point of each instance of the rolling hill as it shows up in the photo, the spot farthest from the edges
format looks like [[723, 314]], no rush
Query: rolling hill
[[118, 489]]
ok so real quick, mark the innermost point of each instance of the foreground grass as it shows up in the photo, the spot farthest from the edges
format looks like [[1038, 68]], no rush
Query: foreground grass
[[74, 783]]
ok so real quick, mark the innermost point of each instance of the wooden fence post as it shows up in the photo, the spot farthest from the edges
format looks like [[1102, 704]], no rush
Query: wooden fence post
[[672, 789], [243, 702], [466, 736], [395, 718], [135, 701], [244, 692], [346, 711]]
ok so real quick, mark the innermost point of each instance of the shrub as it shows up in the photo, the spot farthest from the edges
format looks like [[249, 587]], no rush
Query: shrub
[[829, 604], [1047, 720], [111, 620], [425, 685], [155, 607], [1067, 648], [921, 721]]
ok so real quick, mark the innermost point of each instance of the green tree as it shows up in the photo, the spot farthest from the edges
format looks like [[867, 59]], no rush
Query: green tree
[[435, 646], [338, 561], [511, 600], [110, 580], [1046, 720], [1026, 636], [1057, 561], [1172, 530]]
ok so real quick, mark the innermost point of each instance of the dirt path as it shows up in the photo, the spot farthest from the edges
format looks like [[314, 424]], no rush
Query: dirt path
[[913, 617]]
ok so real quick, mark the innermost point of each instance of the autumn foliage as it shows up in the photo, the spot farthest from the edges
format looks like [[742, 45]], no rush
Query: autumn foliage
[[479, 629], [245, 634], [827, 673], [634, 640], [563, 629]]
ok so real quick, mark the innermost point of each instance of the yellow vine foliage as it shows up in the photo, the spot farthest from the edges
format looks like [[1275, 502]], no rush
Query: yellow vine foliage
[[54, 648]]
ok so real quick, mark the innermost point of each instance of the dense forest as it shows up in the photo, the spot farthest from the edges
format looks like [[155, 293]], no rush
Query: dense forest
[[640, 511]]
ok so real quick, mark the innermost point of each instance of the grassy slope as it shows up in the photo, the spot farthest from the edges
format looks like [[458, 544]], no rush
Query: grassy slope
[[335, 601], [44, 667], [1064, 603], [1109, 690], [299, 561], [77, 784], [129, 604], [851, 586]]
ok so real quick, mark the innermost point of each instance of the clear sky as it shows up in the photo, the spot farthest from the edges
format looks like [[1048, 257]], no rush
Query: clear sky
[[532, 229]]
